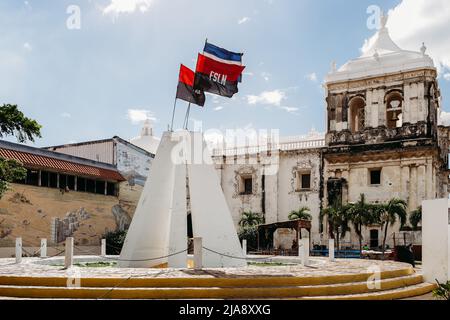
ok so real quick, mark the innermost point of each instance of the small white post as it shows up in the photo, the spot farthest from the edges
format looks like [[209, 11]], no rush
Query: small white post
[[300, 249], [43, 248], [244, 247], [198, 251], [18, 250], [103, 248], [305, 251], [68, 260], [331, 249]]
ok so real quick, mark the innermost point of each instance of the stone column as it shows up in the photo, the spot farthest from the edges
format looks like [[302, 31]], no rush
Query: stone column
[[421, 185], [413, 189], [305, 254], [18, 250], [103, 248], [198, 252], [429, 180], [68, 259], [405, 182], [406, 104], [271, 197], [331, 249], [43, 248], [244, 247], [381, 106]]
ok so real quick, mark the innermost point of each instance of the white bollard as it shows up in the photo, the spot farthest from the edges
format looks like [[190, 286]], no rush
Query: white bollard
[[103, 249], [331, 249], [198, 251], [18, 250], [244, 247], [68, 260], [305, 251], [300, 248], [43, 248]]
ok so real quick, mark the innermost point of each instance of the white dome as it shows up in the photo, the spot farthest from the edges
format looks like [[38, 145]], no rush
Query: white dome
[[383, 57], [147, 140]]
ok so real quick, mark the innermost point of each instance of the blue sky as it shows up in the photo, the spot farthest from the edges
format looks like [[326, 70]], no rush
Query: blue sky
[[84, 84]]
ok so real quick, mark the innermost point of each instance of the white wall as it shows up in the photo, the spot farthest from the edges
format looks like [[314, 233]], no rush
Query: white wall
[[130, 160], [435, 240]]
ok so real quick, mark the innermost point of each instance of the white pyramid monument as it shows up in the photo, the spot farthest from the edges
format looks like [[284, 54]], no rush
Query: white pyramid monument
[[158, 232]]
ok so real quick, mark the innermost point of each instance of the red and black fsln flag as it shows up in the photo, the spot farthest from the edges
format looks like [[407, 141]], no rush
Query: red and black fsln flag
[[217, 77], [185, 88]]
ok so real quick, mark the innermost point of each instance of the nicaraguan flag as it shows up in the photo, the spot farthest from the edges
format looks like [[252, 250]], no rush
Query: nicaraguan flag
[[222, 55]]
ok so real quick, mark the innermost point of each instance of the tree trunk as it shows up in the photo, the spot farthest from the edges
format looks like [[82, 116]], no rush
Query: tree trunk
[[384, 238], [337, 240], [360, 240]]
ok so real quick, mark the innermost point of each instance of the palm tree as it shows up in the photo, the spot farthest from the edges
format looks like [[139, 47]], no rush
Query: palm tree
[[360, 213], [250, 219], [338, 218], [415, 218], [363, 214], [395, 208], [300, 214]]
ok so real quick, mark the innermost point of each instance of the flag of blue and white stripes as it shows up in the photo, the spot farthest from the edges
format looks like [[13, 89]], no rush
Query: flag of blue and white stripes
[[222, 55]]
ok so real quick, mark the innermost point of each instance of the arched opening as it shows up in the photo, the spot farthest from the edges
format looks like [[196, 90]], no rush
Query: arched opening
[[394, 107], [357, 114]]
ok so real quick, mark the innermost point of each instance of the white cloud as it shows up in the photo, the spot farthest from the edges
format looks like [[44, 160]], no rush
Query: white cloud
[[290, 109], [312, 77], [274, 98], [444, 119], [243, 20], [218, 108], [415, 21], [66, 115], [447, 76], [27, 46], [127, 6], [139, 115], [265, 76]]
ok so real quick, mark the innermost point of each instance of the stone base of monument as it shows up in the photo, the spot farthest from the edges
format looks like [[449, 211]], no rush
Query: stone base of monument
[[277, 278]]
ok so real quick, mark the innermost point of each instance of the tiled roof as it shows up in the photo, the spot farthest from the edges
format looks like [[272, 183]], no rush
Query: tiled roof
[[53, 161]]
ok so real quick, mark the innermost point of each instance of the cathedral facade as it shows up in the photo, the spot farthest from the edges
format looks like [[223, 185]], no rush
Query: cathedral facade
[[383, 140]]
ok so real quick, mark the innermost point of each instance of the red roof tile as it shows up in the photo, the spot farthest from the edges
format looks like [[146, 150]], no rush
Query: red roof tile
[[29, 159]]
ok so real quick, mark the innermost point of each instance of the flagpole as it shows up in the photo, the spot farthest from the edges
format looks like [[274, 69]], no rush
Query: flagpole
[[173, 114], [186, 119]]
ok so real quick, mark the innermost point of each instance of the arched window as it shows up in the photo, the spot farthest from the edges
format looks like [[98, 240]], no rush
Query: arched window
[[357, 114], [394, 107]]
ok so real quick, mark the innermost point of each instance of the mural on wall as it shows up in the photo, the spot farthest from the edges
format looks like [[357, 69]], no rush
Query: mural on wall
[[35, 212]]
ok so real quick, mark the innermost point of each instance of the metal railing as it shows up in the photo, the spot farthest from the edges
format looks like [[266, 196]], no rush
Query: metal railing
[[280, 146]]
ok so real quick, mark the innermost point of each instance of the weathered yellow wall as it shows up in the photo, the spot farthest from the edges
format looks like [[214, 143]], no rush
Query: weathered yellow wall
[[27, 211]]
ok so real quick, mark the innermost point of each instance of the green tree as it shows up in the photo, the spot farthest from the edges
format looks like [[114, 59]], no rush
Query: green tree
[[338, 218], [362, 214], [14, 123], [442, 291], [300, 214], [390, 212], [415, 218], [114, 241], [249, 227], [250, 219]]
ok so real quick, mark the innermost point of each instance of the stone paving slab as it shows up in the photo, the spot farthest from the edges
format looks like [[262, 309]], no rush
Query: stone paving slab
[[33, 267]]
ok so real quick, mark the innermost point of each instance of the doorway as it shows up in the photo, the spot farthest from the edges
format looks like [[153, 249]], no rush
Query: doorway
[[374, 243]]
